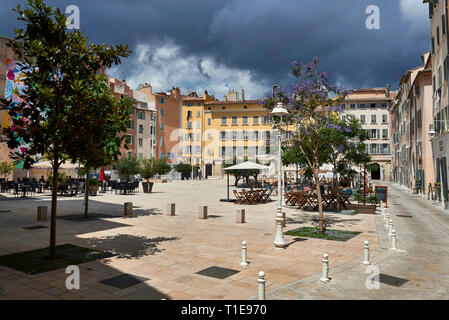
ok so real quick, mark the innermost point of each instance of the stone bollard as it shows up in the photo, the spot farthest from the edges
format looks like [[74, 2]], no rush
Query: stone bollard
[[203, 212], [390, 227], [394, 240], [261, 282], [366, 253], [244, 262], [171, 209], [128, 209], [325, 275], [240, 216], [41, 213]]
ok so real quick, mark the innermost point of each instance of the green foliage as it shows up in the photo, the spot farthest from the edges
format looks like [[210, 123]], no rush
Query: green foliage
[[6, 168], [62, 177], [127, 167], [67, 111], [241, 174], [183, 168], [94, 182], [151, 167]]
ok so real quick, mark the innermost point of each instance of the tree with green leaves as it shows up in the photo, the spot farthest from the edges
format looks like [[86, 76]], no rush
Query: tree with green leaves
[[60, 68], [183, 168], [314, 105], [127, 166], [151, 167], [6, 168]]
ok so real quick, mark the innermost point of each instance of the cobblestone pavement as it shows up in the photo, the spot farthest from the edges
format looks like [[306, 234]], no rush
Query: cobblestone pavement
[[420, 266], [169, 251]]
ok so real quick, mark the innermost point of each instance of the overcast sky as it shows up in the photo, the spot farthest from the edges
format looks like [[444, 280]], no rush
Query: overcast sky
[[249, 44]]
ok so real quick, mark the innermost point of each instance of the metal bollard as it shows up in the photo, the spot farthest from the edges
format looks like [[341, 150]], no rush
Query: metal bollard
[[325, 275], [390, 227], [244, 262], [393, 240], [261, 282], [366, 253]]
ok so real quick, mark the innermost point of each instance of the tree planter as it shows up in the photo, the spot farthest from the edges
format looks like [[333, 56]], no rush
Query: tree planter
[[363, 208], [147, 187], [93, 190]]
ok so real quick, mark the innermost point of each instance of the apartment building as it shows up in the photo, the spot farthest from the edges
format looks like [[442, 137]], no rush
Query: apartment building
[[438, 14], [193, 138], [412, 113], [120, 89], [235, 129], [145, 125], [370, 106]]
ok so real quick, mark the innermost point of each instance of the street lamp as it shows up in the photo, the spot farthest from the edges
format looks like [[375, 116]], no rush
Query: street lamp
[[431, 132], [279, 242]]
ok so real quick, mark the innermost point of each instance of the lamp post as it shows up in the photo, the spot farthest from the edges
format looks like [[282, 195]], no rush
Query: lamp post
[[279, 242]]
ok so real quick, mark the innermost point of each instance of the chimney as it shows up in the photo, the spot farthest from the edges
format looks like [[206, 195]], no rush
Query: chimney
[[387, 91], [243, 95]]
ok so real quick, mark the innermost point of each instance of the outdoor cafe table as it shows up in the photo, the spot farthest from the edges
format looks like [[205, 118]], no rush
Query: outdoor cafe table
[[253, 196]]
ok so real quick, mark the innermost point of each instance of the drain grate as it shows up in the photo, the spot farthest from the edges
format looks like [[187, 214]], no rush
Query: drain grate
[[217, 272], [403, 216], [214, 216], [392, 280], [124, 281], [35, 227]]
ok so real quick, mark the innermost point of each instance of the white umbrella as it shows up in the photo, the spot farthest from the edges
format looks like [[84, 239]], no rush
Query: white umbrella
[[48, 165], [248, 165]]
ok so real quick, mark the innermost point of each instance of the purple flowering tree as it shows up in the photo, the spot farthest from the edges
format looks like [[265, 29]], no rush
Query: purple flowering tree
[[314, 106]]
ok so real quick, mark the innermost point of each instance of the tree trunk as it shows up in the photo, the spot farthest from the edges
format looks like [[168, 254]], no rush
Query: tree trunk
[[86, 194], [54, 198], [320, 203]]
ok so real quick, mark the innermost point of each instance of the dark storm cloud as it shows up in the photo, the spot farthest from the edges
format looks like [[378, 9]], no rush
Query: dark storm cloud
[[262, 36]]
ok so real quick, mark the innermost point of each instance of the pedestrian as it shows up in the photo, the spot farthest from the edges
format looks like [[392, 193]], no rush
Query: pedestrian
[[199, 174]]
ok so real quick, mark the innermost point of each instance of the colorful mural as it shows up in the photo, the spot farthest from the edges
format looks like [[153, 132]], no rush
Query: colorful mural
[[14, 90]]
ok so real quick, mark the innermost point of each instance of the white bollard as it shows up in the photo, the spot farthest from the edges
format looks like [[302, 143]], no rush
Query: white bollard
[[383, 210], [325, 275], [366, 253], [393, 240], [261, 282], [244, 262], [387, 219], [390, 227]]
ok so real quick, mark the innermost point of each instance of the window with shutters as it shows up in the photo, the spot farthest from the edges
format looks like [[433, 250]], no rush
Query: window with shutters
[[373, 118], [362, 118], [223, 121], [234, 120]]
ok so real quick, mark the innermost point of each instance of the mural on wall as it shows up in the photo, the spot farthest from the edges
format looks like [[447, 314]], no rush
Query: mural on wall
[[14, 90]]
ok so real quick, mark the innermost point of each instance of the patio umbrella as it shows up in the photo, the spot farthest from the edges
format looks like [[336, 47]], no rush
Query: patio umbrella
[[102, 175], [48, 165], [248, 165]]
